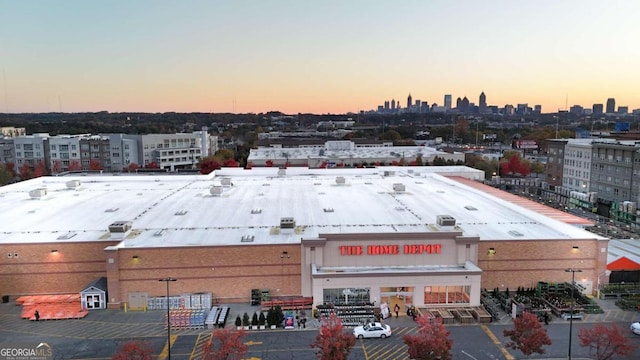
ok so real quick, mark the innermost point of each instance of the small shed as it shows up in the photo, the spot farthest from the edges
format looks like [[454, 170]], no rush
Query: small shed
[[94, 295]]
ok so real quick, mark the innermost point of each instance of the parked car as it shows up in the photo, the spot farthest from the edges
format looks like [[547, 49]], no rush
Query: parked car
[[372, 330], [635, 327]]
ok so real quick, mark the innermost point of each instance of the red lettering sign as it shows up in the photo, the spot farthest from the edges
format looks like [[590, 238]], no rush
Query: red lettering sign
[[383, 250], [350, 250], [413, 249]]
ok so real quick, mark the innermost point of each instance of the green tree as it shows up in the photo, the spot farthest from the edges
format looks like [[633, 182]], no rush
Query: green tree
[[391, 135], [5, 175]]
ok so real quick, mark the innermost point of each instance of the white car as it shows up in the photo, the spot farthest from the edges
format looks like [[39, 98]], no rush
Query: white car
[[635, 327], [372, 330]]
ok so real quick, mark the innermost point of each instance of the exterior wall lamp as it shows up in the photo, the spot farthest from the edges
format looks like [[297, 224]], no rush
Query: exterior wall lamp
[[491, 251], [54, 251]]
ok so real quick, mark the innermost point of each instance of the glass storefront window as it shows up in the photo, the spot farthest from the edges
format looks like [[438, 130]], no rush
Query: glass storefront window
[[452, 294], [347, 296]]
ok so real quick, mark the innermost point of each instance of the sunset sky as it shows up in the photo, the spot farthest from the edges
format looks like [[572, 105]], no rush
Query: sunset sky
[[329, 56]]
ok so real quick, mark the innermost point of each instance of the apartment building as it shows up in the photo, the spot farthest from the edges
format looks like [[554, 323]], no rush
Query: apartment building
[[107, 152]]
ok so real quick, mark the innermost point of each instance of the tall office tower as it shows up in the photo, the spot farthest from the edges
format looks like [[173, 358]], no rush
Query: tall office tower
[[482, 104], [465, 105], [458, 104], [522, 109], [537, 109], [393, 104], [386, 105], [409, 102], [576, 109], [611, 105], [623, 109], [424, 107], [597, 109], [447, 102]]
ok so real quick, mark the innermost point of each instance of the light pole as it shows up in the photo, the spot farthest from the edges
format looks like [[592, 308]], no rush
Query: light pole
[[283, 255], [573, 286], [607, 273], [168, 280]]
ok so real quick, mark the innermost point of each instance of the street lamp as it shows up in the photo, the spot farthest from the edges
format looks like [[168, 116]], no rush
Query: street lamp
[[167, 280], [607, 273], [573, 286]]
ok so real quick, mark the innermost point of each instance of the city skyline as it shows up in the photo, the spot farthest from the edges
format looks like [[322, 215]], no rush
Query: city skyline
[[298, 57]]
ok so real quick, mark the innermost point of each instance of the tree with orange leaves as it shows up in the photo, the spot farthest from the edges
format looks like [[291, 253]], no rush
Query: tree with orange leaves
[[134, 350], [605, 342], [431, 342], [527, 335], [332, 342], [225, 344]]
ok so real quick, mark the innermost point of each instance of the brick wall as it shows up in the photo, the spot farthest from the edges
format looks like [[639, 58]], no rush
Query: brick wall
[[34, 269], [229, 272], [524, 263]]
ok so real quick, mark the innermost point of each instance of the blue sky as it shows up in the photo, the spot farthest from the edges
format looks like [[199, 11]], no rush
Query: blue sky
[[313, 56]]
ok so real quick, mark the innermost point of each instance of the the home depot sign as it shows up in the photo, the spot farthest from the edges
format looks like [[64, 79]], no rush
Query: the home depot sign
[[390, 249]]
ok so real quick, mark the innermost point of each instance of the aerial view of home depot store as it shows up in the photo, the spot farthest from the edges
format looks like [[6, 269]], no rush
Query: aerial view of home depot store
[[421, 236]]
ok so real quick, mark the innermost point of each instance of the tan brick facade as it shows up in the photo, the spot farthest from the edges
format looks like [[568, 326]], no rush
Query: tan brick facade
[[523, 263], [230, 272], [34, 269]]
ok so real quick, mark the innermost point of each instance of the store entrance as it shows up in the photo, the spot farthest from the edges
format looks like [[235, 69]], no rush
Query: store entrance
[[401, 296]]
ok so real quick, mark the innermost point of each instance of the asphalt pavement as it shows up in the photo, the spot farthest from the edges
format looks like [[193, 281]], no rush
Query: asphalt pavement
[[100, 334]]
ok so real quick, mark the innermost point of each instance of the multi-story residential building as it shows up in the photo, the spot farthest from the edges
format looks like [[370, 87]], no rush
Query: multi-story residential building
[[577, 165], [124, 151], [31, 150], [7, 153], [95, 153], [555, 161], [612, 170], [64, 153], [174, 151], [107, 152]]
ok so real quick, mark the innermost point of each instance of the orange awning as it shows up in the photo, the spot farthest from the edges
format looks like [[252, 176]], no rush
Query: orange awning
[[623, 263]]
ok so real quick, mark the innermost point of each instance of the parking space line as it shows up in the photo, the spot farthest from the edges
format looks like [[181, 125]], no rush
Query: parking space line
[[497, 342], [196, 352], [165, 350]]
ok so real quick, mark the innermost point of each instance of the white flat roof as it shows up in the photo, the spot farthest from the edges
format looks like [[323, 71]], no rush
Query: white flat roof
[[179, 210]]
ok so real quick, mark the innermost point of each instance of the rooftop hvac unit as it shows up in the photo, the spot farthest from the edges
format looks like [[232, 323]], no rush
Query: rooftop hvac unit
[[120, 227], [398, 187], [340, 180], [73, 184], [282, 172], [287, 223], [446, 220], [389, 173], [38, 193], [215, 190], [225, 181]]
